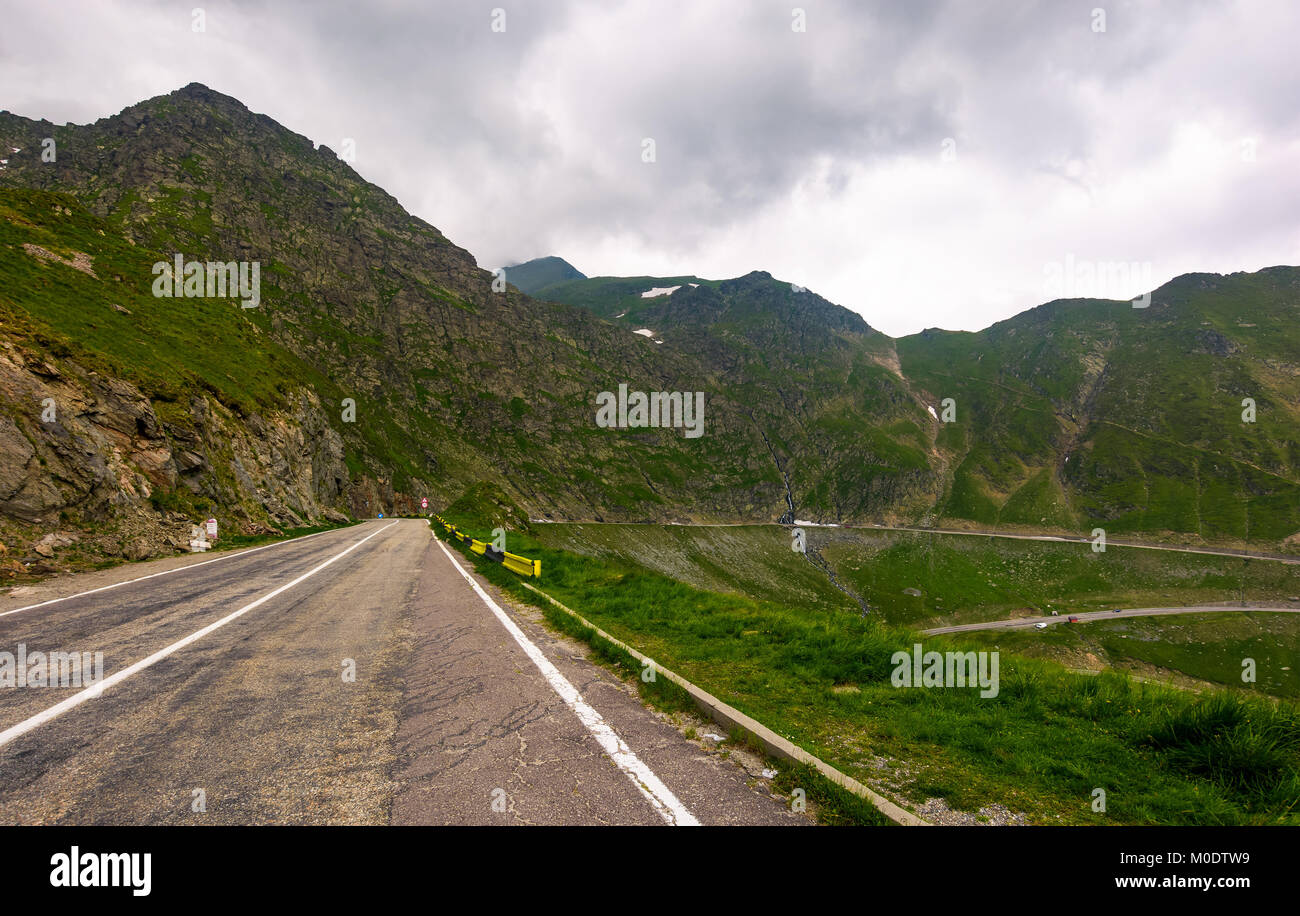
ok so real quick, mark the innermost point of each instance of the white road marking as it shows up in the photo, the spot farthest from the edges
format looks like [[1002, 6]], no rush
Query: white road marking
[[659, 795], [165, 572], [82, 696]]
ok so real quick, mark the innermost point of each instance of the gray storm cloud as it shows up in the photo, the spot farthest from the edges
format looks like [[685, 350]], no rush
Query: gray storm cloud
[[920, 163]]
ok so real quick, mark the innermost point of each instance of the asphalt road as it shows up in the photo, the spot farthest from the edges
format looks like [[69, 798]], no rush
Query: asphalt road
[[226, 701], [1025, 623]]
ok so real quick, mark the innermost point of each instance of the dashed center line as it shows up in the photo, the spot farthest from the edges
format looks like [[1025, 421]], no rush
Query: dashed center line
[[165, 572], [82, 696]]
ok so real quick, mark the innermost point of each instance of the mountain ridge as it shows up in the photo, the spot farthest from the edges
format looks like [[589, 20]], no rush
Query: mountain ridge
[[810, 409], [530, 276]]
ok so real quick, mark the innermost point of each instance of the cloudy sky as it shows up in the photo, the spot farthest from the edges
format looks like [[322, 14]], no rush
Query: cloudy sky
[[926, 164]]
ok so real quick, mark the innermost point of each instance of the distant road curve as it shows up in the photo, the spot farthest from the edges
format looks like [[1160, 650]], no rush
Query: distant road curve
[[1110, 542], [1025, 623]]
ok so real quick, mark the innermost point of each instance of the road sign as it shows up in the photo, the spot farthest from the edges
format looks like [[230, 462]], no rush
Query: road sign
[[212, 529], [424, 502]]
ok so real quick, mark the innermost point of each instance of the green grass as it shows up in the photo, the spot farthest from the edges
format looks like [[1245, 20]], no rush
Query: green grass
[[661, 693], [962, 578], [1041, 746], [754, 560], [168, 347]]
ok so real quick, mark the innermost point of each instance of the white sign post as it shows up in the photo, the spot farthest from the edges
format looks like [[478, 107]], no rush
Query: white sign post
[[212, 529]]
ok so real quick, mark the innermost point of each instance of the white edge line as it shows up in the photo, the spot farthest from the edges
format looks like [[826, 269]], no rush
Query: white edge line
[[82, 696], [167, 572], [659, 795]]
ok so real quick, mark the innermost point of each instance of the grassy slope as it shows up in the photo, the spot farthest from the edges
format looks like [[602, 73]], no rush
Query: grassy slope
[[1146, 403], [450, 376], [753, 560], [1041, 746], [815, 379], [963, 579], [169, 348], [166, 346], [1072, 415]]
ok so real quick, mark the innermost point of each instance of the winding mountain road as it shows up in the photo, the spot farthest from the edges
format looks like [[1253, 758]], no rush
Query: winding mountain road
[[1078, 539], [1025, 623], [357, 676], [1289, 559]]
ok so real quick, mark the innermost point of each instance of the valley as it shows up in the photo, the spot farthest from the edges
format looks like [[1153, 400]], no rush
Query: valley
[[932, 580], [1074, 415], [845, 494]]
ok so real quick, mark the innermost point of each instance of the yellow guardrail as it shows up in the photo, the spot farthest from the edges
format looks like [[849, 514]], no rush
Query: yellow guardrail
[[511, 561]]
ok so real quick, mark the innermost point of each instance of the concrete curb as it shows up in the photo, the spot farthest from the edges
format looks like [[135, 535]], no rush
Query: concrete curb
[[729, 717]]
